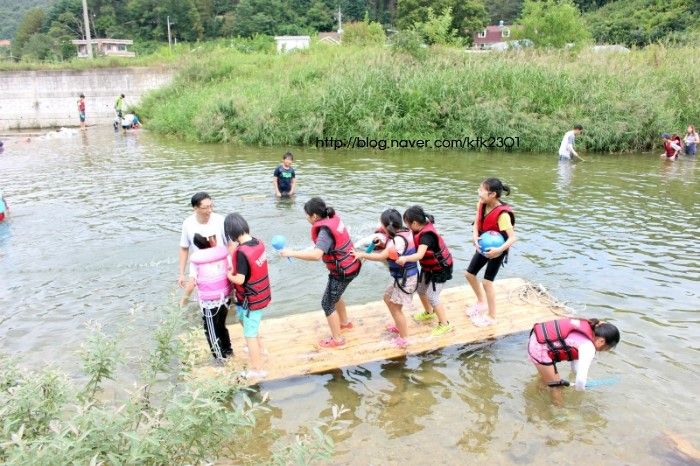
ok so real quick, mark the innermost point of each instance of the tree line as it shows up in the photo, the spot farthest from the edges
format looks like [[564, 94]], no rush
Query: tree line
[[45, 32]]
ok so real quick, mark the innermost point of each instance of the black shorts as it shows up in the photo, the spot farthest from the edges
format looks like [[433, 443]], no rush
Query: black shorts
[[334, 291], [492, 265]]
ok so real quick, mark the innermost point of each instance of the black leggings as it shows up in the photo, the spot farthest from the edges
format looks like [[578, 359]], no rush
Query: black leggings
[[216, 331], [492, 265]]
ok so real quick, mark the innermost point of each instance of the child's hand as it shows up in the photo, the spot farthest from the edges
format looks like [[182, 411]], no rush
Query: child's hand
[[358, 254], [401, 261], [286, 252], [230, 276], [493, 253]]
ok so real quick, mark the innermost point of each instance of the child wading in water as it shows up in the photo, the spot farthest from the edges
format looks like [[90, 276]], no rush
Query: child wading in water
[[404, 279], [575, 340], [251, 285], [334, 246], [491, 215], [436, 266]]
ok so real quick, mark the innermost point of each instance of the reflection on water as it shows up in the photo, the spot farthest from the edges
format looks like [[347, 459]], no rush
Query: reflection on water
[[93, 236]]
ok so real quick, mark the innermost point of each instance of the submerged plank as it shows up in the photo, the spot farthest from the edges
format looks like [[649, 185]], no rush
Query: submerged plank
[[292, 340]]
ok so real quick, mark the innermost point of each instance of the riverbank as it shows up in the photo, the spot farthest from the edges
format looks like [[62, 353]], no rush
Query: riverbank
[[623, 100]]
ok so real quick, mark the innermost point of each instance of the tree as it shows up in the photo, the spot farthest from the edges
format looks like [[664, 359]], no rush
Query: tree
[[504, 10], [31, 24], [438, 29], [468, 16], [641, 22], [552, 23]]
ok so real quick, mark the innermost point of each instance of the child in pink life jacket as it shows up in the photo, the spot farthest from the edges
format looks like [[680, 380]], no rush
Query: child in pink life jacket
[[251, 284], [210, 268], [491, 215], [334, 246], [404, 279], [569, 339]]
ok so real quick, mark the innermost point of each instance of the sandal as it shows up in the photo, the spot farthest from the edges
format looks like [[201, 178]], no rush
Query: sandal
[[391, 328], [331, 343], [347, 326], [400, 342]]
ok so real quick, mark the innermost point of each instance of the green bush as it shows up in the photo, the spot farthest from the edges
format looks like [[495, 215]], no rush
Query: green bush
[[363, 33]]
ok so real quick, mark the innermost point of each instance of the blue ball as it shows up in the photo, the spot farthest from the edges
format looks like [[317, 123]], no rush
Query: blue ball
[[278, 242], [489, 240]]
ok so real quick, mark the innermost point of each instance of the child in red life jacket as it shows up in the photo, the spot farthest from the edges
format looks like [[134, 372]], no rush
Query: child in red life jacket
[[436, 267], [672, 146], [575, 340], [404, 279], [491, 215], [251, 285], [334, 246]]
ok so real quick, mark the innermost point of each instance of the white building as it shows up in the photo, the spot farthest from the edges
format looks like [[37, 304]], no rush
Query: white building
[[287, 43], [109, 47]]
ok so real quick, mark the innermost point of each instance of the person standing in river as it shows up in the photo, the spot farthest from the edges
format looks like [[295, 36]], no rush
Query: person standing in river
[[81, 111]]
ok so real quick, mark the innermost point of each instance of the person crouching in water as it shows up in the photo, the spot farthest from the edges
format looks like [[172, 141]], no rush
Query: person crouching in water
[[491, 215], [404, 279], [334, 246], [251, 284], [436, 266], [575, 340], [209, 274]]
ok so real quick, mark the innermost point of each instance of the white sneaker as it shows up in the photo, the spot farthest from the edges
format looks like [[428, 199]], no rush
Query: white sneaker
[[252, 374]]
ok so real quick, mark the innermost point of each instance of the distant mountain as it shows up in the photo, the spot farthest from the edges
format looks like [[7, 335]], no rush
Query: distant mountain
[[11, 12]]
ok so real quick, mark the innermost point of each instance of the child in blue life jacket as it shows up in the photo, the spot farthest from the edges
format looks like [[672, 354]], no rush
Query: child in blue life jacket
[[491, 215], [404, 279]]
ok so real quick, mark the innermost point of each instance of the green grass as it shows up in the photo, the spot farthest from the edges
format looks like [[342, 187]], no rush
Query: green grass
[[623, 100]]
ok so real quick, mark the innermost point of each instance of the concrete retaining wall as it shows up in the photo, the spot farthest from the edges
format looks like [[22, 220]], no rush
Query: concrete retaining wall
[[48, 98]]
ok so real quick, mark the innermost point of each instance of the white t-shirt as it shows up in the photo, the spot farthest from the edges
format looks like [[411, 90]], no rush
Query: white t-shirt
[[567, 144], [213, 230]]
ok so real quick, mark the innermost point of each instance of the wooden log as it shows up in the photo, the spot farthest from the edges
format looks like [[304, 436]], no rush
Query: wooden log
[[292, 340]]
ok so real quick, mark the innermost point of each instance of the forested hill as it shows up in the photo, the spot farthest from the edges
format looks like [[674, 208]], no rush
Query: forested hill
[[11, 12]]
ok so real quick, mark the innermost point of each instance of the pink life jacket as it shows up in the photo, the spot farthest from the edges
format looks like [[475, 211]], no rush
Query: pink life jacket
[[212, 268]]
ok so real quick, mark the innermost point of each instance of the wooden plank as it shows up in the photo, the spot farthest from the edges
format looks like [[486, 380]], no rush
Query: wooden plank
[[292, 340]]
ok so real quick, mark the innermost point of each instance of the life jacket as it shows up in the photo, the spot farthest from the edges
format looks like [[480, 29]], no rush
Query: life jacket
[[255, 293], [431, 261], [553, 334], [490, 221], [410, 268], [212, 269], [339, 261]]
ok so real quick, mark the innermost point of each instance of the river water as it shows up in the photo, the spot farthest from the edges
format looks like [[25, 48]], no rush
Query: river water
[[94, 234]]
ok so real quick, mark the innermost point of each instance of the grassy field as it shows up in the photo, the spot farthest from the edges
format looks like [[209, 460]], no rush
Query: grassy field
[[624, 101]]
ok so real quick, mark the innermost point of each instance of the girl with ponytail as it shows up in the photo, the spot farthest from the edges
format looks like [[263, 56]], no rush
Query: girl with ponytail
[[334, 246], [491, 215], [569, 339], [404, 279], [436, 266]]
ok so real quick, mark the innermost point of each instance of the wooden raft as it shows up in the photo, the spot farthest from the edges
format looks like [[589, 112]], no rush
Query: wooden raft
[[292, 340]]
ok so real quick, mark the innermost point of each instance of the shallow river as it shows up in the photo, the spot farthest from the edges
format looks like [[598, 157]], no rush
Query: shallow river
[[93, 237]]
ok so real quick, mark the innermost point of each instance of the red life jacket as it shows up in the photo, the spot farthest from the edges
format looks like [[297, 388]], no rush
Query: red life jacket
[[255, 293], [554, 332], [490, 222], [670, 151], [431, 261], [339, 261]]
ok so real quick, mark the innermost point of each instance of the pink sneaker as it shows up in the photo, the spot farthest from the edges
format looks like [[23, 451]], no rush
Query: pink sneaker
[[391, 328], [476, 309], [331, 343], [400, 342]]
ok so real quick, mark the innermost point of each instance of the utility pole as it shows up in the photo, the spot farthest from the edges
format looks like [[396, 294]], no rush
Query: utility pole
[[86, 20], [340, 21], [170, 43]]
